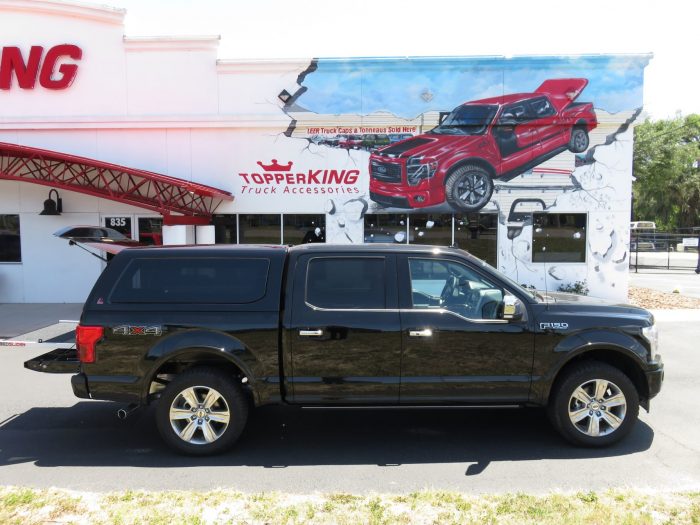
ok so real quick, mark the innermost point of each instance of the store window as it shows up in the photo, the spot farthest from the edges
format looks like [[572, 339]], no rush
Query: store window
[[386, 228], [303, 229], [10, 246], [559, 237], [151, 230], [225, 229], [478, 234], [259, 229], [430, 229]]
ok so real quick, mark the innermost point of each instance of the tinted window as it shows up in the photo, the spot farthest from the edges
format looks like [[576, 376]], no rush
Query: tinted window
[[10, 248], [542, 108], [559, 237], [346, 282], [192, 280]]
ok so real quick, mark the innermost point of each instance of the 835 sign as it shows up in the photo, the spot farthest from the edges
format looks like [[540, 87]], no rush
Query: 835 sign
[[121, 224]]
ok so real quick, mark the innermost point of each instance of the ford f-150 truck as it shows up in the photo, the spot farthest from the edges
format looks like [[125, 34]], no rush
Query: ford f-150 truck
[[499, 137], [208, 332]]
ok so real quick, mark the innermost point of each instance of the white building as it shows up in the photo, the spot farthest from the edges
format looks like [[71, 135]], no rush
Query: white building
[[239, 136]]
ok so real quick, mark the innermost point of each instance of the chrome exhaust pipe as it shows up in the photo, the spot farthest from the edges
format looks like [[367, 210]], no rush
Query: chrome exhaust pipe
[[125, 412]]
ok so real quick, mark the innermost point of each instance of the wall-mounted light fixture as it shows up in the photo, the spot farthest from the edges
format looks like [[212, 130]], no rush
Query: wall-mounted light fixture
[[52, 207]]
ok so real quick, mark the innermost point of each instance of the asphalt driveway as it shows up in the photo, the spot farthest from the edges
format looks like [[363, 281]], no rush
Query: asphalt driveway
[[49, 438]]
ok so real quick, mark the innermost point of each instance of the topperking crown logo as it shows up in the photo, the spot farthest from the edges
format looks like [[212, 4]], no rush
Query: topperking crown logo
[[275, 166]]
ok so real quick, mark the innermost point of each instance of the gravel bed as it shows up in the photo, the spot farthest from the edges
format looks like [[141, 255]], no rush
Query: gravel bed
[[653, 299]]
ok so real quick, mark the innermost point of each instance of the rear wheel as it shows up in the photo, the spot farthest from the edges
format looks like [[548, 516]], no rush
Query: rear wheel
[[468, 188], [201, 412], [594, 405], [578, 143]]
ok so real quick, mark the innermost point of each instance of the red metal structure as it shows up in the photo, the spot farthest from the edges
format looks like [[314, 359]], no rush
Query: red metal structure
[[194, 203]]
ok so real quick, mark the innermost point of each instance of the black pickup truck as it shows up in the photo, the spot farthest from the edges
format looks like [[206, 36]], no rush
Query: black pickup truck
[[208, 332]]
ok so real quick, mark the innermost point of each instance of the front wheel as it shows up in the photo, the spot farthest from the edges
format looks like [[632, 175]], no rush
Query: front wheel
[[468, 188], [201, 412], [594, 405]]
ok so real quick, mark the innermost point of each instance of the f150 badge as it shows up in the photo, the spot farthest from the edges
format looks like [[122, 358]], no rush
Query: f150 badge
[[554, 326], [137, 330]]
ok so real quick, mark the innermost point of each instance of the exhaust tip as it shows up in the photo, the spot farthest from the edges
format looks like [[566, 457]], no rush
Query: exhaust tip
[[122, 414]]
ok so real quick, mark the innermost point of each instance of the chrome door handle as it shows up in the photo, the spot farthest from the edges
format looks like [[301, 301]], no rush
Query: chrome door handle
[[311, 333], [421, 333]]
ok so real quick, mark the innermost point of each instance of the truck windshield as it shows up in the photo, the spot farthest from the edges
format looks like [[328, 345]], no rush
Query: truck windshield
[[466, 120]]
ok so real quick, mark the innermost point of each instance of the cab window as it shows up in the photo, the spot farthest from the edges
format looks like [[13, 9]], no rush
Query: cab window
[[340, 283], [541, 107], [443, 284]]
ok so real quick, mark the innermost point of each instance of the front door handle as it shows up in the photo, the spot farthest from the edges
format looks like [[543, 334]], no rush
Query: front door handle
[[421, 333], [311, 333]]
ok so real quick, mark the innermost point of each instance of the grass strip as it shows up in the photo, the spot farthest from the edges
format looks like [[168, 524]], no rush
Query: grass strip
[[29, 506]]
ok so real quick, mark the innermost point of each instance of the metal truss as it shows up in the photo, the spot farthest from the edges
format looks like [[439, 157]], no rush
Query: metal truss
[[152, 191]]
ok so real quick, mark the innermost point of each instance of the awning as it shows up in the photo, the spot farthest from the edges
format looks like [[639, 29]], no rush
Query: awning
[[152, 191]]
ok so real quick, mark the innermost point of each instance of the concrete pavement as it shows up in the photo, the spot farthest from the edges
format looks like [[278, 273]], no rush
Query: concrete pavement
[[21, 318], [667, 280]]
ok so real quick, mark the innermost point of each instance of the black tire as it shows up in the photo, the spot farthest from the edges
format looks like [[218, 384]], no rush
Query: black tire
[[468, 188], [579, 141], [563, 406], [201, 381]]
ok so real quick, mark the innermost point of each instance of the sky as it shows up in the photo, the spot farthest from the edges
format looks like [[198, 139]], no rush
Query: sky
[[362, 28]]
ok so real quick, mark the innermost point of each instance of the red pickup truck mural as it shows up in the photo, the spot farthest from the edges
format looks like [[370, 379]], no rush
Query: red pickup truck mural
[[498, 137]]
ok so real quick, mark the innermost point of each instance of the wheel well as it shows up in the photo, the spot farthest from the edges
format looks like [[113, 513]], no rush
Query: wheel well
[[581, 123], [625, 364], [473, 162], [182, 362]]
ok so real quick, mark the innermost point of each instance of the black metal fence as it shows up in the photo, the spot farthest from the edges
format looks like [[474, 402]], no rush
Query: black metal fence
[[664, 250]]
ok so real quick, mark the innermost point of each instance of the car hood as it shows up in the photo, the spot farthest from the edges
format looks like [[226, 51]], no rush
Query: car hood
[[584, 305], [433, 145]]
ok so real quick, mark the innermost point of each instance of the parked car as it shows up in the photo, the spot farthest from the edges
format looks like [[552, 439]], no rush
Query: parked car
[[498, 137], [372, 141], [398, 137], [350, 142], [206, 333]]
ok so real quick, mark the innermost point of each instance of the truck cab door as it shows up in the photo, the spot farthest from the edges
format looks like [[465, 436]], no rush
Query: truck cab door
[[344, 338], [515, 136], [457, 346]]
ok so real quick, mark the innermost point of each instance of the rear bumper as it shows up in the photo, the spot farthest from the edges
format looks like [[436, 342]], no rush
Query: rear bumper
[[80, 386]]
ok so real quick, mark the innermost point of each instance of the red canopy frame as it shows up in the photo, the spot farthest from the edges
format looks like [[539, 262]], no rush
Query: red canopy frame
[[145, 189]]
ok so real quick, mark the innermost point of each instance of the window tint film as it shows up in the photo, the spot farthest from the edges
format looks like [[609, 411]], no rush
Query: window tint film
[[559, 237], [452, 286], [346, 282], [189, 280], [10, 246]]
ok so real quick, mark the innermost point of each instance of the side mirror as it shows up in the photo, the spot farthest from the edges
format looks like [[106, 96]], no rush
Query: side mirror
[[513, 308]]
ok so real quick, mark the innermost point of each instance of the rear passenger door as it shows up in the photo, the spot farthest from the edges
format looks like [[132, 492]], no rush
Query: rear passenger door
[[345, 331]]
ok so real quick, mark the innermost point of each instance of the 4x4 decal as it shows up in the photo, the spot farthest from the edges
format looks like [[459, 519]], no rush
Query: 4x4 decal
[[137, 330]]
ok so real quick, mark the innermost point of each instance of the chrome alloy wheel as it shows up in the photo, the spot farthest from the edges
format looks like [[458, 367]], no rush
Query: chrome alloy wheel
[[597, 407], [472, 188], [199, 415]]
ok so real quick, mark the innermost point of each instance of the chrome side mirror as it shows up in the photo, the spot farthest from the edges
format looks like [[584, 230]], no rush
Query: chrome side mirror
[[513, 308]]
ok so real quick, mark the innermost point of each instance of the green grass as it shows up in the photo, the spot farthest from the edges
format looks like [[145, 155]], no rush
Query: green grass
[[28, 506]]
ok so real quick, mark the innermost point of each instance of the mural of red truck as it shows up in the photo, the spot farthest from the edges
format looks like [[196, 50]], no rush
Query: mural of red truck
[[479, 141]]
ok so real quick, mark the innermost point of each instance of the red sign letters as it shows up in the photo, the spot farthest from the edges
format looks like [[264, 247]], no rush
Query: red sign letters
[[26, 71]]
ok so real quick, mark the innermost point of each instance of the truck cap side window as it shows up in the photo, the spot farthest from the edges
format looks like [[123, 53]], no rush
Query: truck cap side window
[[337, 283], [454, 287], [201, 280]]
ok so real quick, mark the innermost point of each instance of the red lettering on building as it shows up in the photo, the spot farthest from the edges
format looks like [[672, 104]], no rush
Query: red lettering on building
[[52, 73]]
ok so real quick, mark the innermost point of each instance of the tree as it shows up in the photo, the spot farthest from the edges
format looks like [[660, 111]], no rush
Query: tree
[[666, 157]]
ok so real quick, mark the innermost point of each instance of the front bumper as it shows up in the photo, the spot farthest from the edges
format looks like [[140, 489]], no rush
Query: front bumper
[[655, 377]]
